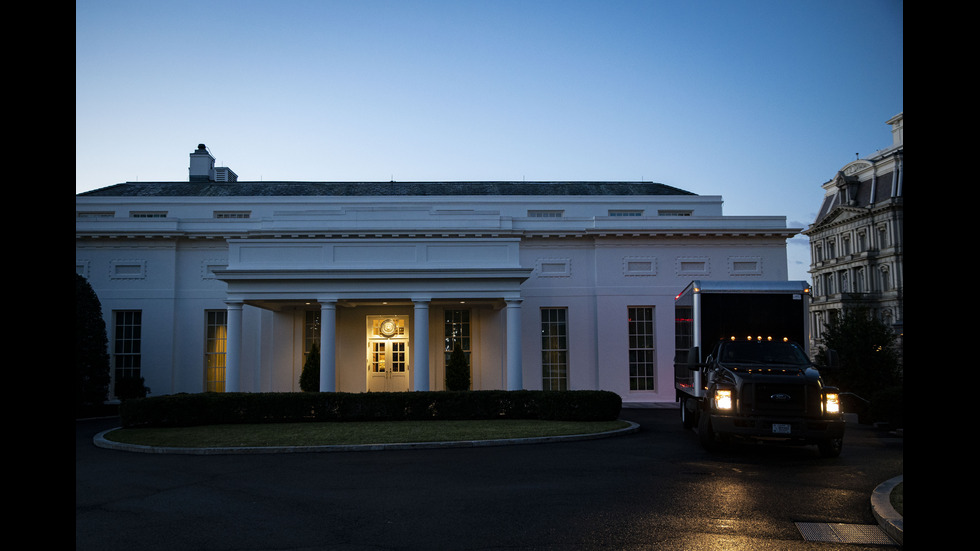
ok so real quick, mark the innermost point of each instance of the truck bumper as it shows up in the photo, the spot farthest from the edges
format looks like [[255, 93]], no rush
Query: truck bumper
[[795, 428]]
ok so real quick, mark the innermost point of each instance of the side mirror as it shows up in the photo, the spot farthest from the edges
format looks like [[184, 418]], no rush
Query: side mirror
[[694, 358]]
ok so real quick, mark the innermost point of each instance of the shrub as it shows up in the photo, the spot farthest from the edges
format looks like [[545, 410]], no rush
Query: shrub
[[239, 407], [457, 370], [91, 352], [128, 388], [309, 379]]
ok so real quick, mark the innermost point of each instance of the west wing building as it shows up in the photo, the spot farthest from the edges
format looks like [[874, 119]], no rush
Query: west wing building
[[215, 284]]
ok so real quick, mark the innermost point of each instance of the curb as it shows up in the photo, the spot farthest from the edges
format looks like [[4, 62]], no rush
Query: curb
[[888, 518], [100, 441]]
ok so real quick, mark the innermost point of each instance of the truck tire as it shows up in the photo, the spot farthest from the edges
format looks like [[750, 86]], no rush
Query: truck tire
[[706, 433], [688, 417], [830, 447]]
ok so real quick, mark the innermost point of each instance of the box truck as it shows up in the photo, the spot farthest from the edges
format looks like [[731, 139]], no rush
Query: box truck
[[742, 366]]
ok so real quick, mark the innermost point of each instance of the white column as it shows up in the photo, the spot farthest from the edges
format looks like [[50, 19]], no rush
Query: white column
[[515, 374], [233, 352], [420, 344], [328, 346]]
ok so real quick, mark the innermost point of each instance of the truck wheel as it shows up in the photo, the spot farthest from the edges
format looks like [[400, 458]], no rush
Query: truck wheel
[[706, 433], [830, 447], [687, 416]]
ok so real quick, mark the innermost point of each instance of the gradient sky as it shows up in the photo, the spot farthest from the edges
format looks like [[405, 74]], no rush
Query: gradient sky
[[758, 101]]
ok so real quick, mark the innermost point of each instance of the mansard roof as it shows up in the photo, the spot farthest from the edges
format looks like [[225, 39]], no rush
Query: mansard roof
[[368, 189]]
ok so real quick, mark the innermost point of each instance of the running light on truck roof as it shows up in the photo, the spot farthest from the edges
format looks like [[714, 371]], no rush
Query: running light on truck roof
[[758, 338]]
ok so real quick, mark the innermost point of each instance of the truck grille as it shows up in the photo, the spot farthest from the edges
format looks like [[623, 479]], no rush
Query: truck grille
[[778, 399]]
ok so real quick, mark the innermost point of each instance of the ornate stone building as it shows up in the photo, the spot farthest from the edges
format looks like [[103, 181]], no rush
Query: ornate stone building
[[856, 241]]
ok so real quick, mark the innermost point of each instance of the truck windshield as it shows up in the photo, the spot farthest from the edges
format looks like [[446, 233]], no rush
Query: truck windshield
[[781, 353]]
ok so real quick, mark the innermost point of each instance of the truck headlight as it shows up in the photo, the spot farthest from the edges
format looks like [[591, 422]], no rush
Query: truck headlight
[[832, 402], [723, 398]]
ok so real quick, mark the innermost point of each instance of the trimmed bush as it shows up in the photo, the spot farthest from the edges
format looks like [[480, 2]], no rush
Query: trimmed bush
[[212, 408], [457, 370], [309, 379]]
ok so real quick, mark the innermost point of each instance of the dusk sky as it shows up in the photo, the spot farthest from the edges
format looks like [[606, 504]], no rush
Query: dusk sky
[[758, 101]]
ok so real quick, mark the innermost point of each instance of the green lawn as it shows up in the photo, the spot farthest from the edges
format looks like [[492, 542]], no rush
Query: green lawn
[[352, 433]]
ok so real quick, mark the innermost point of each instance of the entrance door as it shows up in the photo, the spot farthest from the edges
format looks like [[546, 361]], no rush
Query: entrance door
[[387, 362]]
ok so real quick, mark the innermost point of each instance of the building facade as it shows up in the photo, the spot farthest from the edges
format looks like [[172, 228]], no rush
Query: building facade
[[219, 285], [856, 240]]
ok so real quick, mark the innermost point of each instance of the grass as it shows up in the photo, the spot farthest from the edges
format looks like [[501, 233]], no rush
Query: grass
[[352, 433]]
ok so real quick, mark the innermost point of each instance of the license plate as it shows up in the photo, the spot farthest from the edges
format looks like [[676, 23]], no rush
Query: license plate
[[780, 428]]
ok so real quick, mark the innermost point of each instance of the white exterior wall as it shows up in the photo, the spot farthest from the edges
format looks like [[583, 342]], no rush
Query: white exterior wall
[[287, 251]]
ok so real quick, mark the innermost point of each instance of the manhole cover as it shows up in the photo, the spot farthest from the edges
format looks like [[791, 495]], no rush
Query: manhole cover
[[869, 534]]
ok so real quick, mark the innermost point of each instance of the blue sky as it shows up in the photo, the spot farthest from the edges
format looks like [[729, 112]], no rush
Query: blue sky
[[759, 101]]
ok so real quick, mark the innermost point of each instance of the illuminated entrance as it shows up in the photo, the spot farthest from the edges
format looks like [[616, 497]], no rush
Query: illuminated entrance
[[387, 354]]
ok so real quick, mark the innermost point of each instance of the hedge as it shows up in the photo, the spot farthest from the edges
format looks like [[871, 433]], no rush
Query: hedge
[[212, 408]]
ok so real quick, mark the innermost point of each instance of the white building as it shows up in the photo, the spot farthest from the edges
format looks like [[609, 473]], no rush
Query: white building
[[216, 284]]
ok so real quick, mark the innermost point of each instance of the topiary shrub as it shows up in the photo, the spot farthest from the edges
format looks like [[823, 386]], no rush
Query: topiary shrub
[[309, 379], [457, 370]]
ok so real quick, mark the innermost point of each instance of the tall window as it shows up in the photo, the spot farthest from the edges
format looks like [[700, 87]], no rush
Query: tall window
[[642, 348], [215, 348], [311, 332], [127, 358], [457, 332], [554, 348]]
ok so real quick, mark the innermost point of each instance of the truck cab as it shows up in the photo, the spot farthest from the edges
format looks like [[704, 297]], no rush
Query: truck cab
[[768, 389]]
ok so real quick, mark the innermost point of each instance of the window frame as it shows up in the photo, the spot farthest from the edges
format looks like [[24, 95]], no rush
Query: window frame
[[555, 354]]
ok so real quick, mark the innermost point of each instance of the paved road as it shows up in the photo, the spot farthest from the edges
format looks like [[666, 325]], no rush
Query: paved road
[[654, 489]]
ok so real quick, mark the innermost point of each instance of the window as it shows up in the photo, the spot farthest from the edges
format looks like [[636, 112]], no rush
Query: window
[[147, 214], [554, 348], [224, 215], [127, 358], [545, 213], [664, 212], [626, 213], [215, 348], [311, 332], [642, 348], [457, 331]]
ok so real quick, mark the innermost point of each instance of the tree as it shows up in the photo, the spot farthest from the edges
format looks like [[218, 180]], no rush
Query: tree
[[865, 346], [91, 349], [309, 379], [457, 370]]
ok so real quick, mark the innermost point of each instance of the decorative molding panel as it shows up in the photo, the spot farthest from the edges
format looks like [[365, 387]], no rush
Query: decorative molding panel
[[639, 265], [553, 267], [693, 266], [744, 265], [127, 269]]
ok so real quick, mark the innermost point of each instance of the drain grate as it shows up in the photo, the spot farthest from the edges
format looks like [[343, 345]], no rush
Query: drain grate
[[869, 534]]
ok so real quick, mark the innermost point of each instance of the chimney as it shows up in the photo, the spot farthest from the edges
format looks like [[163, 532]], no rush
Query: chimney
[[202, 165]]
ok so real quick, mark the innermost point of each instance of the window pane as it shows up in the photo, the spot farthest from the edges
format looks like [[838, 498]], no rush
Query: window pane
[[554, 349], [642, 350], [215, 350]]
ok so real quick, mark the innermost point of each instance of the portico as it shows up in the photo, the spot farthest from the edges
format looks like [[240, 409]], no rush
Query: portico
[[386, 290]]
